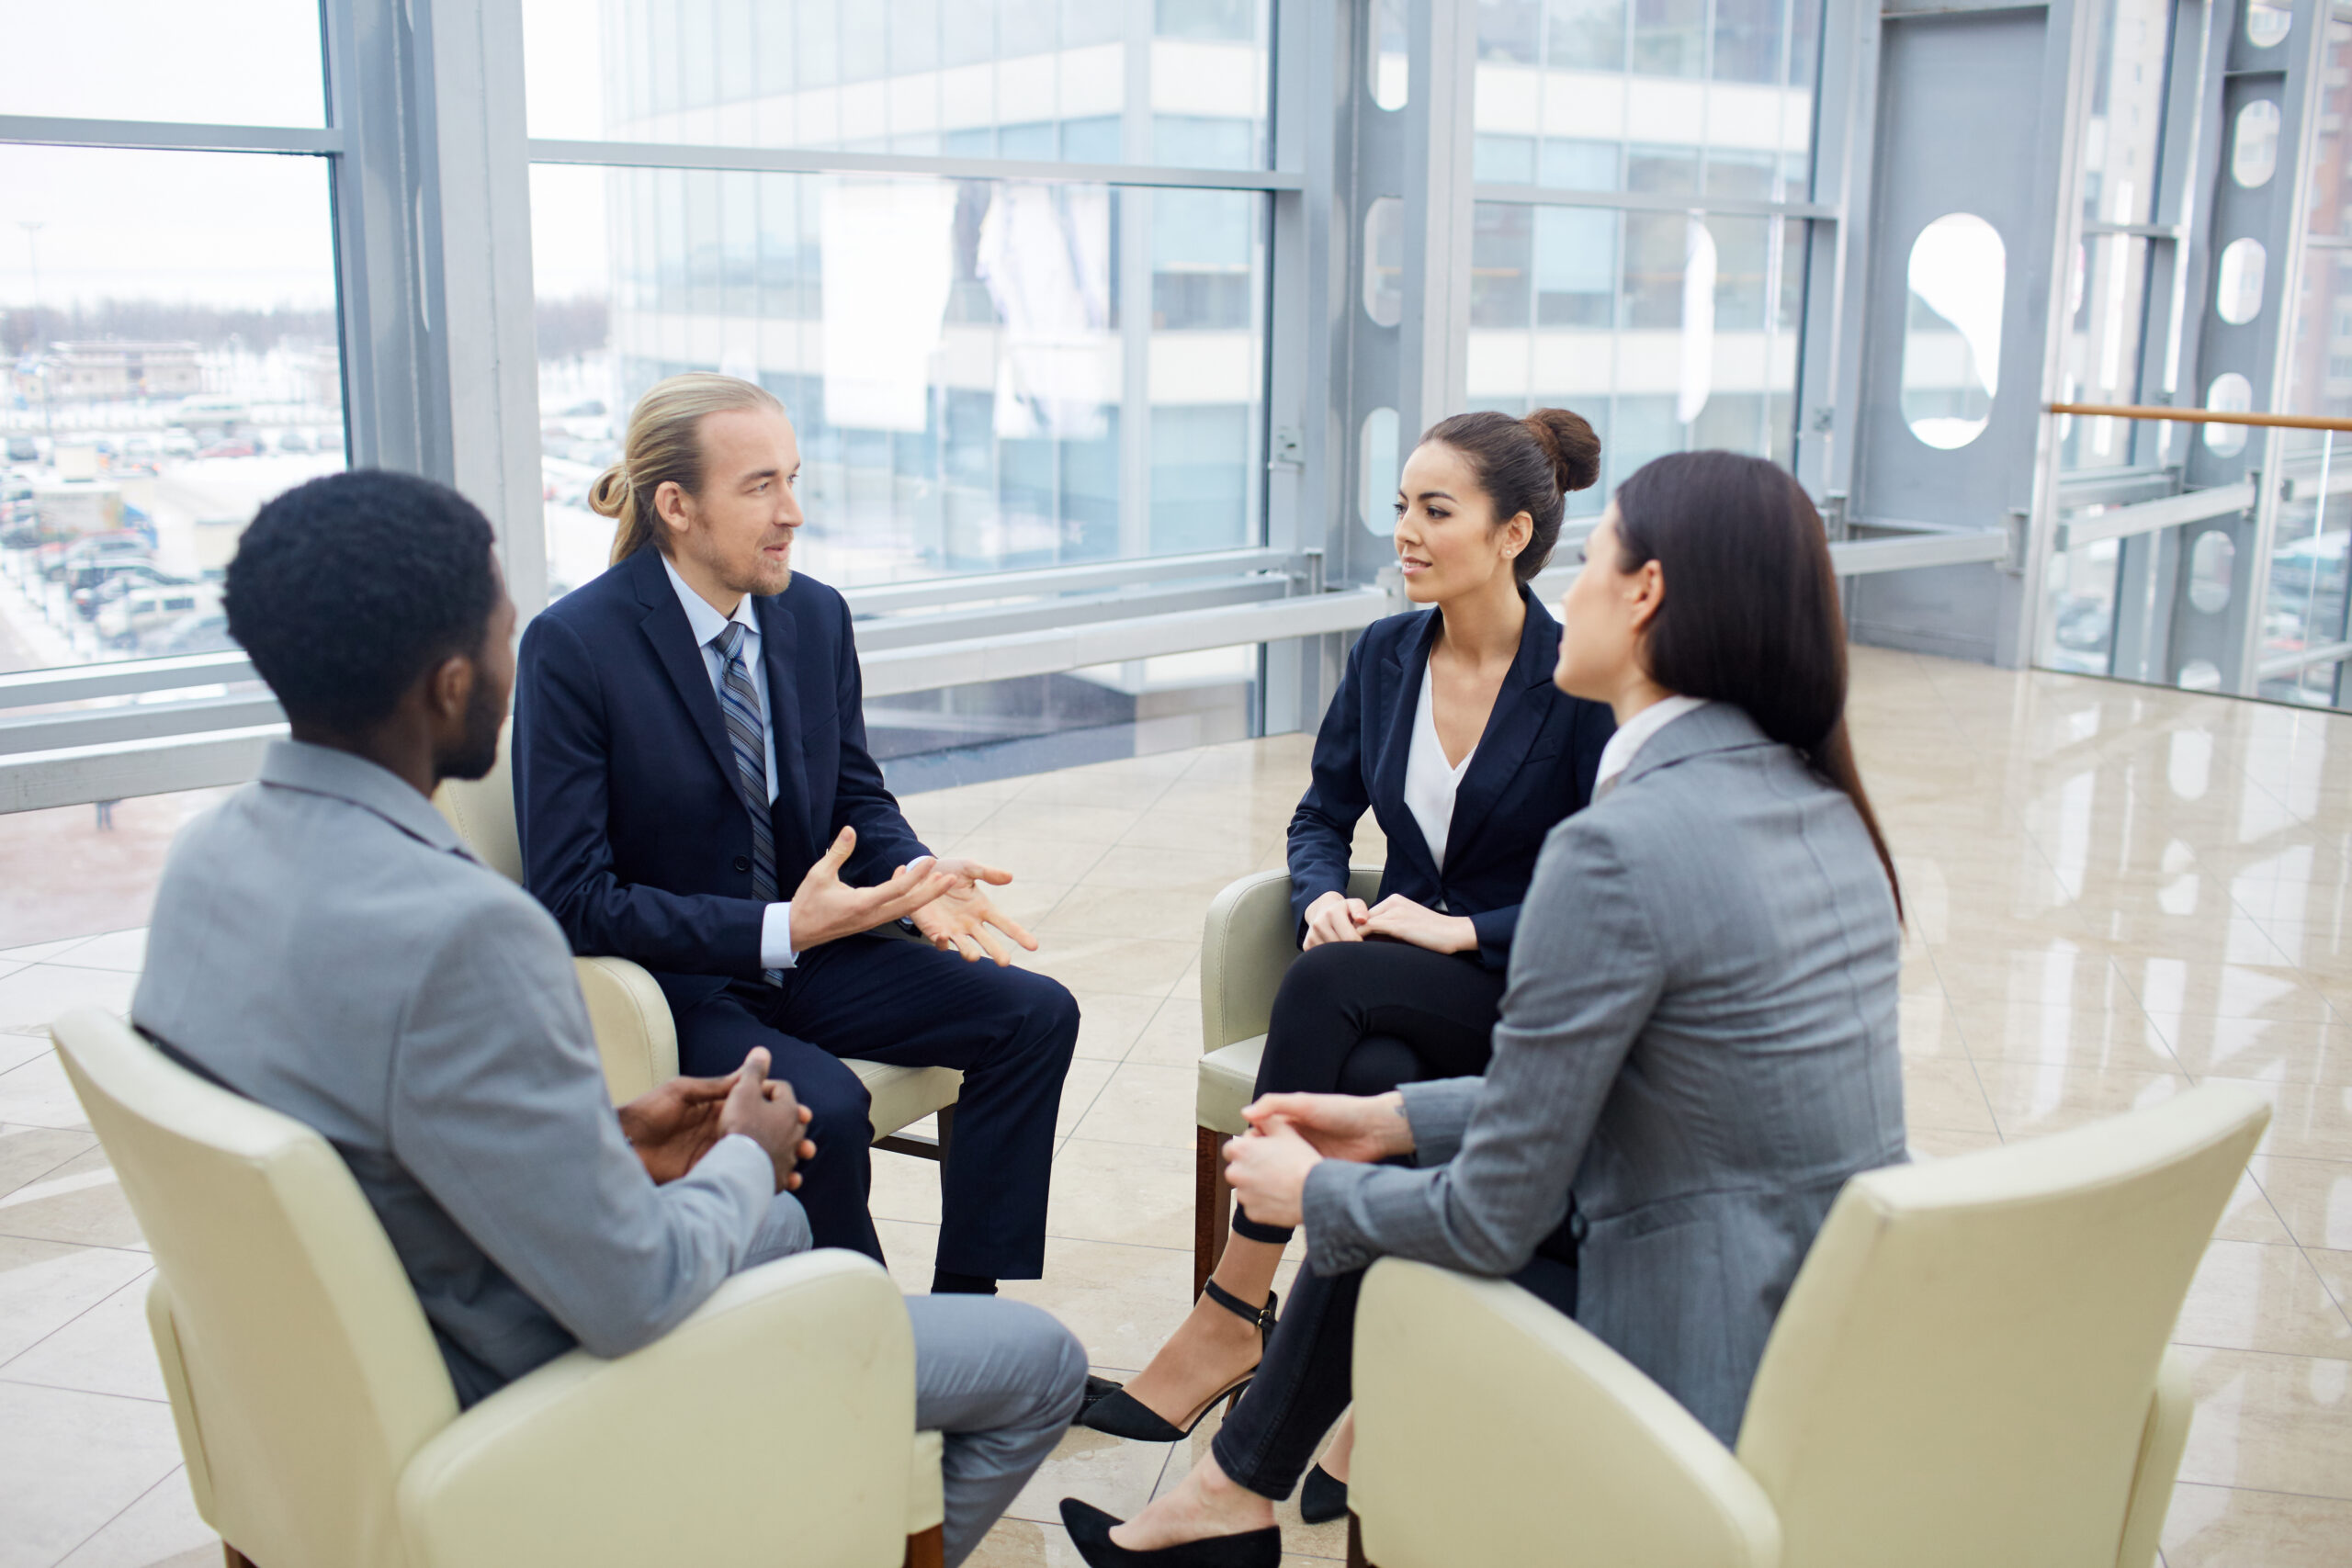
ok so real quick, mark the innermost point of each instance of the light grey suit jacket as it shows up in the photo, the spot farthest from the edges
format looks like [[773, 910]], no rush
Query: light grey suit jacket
[[323, 944], [1698, 1039]]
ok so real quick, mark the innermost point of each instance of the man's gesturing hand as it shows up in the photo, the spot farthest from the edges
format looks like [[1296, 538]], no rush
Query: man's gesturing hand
[[767, 1114], [1363, 1128], [825, 907], [958, 921]]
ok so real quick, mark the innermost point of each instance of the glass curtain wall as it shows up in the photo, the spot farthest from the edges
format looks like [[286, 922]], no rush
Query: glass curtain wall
[[989, 368], [1662, 300], [2306, 638], [169, 352]]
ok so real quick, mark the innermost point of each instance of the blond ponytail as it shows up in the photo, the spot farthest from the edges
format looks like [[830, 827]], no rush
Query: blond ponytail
[[664, 446]]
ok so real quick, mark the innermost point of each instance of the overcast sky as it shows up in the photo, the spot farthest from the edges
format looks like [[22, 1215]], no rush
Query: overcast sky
[[234, 230]]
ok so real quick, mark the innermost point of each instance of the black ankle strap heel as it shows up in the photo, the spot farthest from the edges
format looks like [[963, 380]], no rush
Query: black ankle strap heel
[[1120, 1415], [1264, 1316]]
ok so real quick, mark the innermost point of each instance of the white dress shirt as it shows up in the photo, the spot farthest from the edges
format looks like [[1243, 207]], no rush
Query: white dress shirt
[[1618, 755], [775, 927], [1430, 782]]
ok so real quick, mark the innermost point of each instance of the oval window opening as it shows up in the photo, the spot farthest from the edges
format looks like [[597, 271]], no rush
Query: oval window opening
[[2211, 564], [2254, 146], [2237, 291], [1951, 338], [2230, 393], [2268, 22], [1384, 54], [1384, 261], [1376, 482]]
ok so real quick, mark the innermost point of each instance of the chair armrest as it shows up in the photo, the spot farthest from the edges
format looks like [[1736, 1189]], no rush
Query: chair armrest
[[775, 1424], [1489, 1422], [1247, 943], [635, 1034], [2161, 1444]]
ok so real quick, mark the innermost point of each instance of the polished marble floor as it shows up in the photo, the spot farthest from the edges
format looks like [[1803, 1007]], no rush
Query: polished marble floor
[[2114, 892]]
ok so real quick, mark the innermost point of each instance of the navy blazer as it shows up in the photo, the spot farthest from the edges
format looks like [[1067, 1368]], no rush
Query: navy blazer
[[633, 832], [1534, 765]]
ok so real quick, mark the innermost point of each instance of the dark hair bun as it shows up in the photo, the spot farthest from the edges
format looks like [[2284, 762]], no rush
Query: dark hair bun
[[1569, 440]]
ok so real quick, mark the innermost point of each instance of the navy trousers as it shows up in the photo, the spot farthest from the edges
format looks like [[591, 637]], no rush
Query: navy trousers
[[1010, 1033]]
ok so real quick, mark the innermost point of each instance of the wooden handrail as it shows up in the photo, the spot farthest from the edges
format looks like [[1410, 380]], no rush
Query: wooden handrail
[[2203, 416]]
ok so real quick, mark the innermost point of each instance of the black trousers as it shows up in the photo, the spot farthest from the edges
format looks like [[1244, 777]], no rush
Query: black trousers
[[1308, 1377], [1364, 1017], [1010, 1033]]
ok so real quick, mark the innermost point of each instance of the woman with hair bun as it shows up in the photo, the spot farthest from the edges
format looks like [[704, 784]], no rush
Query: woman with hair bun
[[1447, 727]]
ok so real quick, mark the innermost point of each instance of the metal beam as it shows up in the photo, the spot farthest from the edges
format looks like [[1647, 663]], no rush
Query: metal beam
[[37, 688], [136, 721], [2127, 522], [50, 131], [959, 626], [1052, 651], [77, 776], [1862, 557], [813, 160], [888, 598], [1644, 201]]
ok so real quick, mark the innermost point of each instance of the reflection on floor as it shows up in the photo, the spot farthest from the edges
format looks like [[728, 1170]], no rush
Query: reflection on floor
[[2115, 891]]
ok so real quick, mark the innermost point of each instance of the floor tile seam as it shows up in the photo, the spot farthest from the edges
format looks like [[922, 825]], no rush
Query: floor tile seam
[[52, 1170], [77, 968], [2289, 1231], [2270, 1355], [78, 1317], [18, 1380], [89, 1246], [2267, 1491], [108, 1523]]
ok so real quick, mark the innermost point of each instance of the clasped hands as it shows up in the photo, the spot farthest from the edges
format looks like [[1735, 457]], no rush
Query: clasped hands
[[676, 1125], [945, 898], [1335, 917], [1290, 1134]]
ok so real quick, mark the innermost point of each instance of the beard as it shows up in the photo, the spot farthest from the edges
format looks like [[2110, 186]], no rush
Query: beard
[[477, 753]]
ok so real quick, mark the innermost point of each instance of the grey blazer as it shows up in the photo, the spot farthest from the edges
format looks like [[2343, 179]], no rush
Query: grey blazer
[[322, 944], [1698, 1040]]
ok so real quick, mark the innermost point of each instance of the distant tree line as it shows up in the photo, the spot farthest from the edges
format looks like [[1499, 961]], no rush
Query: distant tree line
[[162, 320], [568, 328]]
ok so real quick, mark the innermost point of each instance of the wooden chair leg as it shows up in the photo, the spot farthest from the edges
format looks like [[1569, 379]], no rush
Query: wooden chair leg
[[1212, 1206], [236, 1558], [1356, 1558], [928, 1549]]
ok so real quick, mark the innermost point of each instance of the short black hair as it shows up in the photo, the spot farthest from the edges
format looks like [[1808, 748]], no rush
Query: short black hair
[[345, 589]]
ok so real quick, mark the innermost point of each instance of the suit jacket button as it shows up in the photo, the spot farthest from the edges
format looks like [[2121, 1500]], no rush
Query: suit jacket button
[[742, 863]]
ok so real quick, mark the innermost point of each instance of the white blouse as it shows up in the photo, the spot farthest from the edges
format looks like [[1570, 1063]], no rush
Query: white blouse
[[1430, 784]]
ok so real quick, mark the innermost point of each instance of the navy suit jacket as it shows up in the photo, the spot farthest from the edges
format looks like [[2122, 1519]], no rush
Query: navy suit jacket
[[633, 831], [1535, 766]]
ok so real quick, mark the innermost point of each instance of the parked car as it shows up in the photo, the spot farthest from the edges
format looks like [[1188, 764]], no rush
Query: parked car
[[207, 633], [117, 578], [144, 612], [93, 552], [234, 447], [23, 449], [177, 444], [294, 440]]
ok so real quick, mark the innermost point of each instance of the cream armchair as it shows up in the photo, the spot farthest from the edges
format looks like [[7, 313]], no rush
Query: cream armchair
[[775, 1424], [635, 1034], [1248, 943], [1970, 1369]]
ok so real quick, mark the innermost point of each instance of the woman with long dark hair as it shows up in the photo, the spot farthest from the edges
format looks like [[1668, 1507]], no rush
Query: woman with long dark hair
[[1697, 1046], [1447, 727]]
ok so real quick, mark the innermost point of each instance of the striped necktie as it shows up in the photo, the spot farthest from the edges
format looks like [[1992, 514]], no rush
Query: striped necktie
[[739, 705]]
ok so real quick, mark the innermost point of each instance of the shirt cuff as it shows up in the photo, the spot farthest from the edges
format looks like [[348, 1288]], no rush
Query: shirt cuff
[[776, 938]]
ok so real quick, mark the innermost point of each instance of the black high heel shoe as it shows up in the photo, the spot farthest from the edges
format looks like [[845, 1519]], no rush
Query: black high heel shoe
[[1121, 1414], [1323, 1497], [1090, 1531]]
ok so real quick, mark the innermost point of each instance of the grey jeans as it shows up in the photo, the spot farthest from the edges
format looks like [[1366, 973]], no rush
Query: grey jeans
[[999, 1381]]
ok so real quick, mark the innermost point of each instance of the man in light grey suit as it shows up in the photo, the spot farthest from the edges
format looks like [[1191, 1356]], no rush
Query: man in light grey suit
[[323, 944]]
